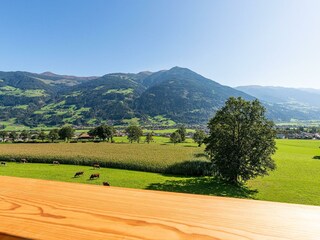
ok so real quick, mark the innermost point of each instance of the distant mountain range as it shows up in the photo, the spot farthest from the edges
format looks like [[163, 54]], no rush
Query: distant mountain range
[[166, 97], [287, 103], [305, 97]]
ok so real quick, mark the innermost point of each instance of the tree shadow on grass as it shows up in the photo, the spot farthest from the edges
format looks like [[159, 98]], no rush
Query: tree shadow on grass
[[190, 168], [206, 186]]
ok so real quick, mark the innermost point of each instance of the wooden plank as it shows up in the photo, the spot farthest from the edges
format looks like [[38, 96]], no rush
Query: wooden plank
[[38, 209]]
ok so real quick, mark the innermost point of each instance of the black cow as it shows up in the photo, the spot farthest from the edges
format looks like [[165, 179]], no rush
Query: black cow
[[106, 184], [94, 175], [78, 174]]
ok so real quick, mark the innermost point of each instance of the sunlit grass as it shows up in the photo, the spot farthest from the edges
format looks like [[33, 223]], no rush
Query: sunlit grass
[[297, 177]]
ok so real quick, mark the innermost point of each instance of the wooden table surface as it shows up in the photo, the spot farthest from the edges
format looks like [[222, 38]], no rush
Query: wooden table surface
[[39, 209]]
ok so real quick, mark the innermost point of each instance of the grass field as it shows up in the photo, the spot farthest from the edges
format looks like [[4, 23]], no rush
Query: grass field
[[116, 177], [125, 178], [296, 179]]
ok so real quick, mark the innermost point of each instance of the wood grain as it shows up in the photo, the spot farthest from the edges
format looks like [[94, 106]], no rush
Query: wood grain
[[38, 209]]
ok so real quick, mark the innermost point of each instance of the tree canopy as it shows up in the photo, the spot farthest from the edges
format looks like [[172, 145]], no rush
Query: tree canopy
[[241, 141], [183, 132], [53, 135], [3, 134], [149, 137], [25, 135], [42, 135], [199, 137], [13, 135], [104, 132], [134, 133], [175, 137], [66, 132]]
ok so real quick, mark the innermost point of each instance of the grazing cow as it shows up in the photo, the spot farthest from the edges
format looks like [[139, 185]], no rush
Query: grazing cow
[[23, 160], [106, 184], [96, 165], [94, 175], [56, 162], [78, 174], [3, 163]]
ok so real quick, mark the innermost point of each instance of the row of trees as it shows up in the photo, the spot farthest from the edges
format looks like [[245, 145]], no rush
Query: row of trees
[[24, 135], [103, 132], [179, 136], [134, 133], [55, 134]]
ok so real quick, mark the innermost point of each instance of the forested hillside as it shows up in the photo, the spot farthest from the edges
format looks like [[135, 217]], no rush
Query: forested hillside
[[166, 97]]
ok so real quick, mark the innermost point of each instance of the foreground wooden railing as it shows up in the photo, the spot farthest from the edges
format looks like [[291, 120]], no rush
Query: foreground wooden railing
[[38, 209]]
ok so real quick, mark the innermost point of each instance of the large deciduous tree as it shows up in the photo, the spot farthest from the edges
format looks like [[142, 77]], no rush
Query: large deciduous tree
[[104, 132], [66, 133], [42, 135], [183, 132], [134, 133], [3, 135], [13, 135], [199, 137], [25, 135], [175, 137], [241, 141], [53, 135], [149, 137]]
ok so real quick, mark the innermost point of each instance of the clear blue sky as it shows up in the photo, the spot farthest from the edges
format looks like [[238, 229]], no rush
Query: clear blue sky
[[263, 42]]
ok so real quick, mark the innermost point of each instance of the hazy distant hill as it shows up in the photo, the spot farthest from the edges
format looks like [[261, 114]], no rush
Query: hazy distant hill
[[166, 97], [308, 97], [287, 103]]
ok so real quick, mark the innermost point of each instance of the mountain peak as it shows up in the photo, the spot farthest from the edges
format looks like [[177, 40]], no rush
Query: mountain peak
[[51, 74], [177, 68]]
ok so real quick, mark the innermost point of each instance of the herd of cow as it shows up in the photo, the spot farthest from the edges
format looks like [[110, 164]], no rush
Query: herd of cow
[[77, 174]]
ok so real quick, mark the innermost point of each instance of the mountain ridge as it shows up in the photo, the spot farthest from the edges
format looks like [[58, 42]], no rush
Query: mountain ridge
[[166, 97], [274, 94]]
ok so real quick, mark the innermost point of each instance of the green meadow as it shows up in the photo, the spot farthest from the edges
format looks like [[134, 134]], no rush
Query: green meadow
[[296, 179]]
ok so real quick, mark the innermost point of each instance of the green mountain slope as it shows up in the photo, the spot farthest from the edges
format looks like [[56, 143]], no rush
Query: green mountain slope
[[166, 97], [183, 96]]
